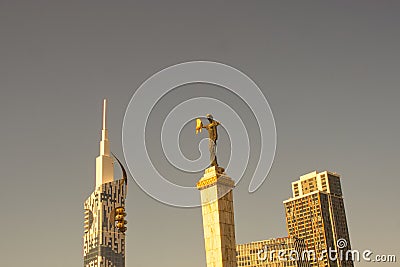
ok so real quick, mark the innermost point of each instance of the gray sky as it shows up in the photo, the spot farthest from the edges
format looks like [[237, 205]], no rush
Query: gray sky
[[330, 72]]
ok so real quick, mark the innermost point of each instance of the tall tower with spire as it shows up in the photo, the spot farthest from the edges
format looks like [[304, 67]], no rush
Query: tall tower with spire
[[105, 224]]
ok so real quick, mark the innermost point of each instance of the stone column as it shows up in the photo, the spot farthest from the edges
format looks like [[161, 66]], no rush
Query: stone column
[[218, 218]]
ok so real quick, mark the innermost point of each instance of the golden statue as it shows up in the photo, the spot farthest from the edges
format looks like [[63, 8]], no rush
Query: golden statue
[[212, 136]]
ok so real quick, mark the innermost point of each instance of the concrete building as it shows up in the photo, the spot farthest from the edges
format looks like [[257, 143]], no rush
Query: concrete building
[[316, 214], [104, 224], [274, 252]]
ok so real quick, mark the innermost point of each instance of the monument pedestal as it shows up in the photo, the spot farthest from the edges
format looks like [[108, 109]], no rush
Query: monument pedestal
[[218, 217]]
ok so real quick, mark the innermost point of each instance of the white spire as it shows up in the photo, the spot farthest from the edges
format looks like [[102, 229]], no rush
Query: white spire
[[104, 144], [104, 113], [104, 162]]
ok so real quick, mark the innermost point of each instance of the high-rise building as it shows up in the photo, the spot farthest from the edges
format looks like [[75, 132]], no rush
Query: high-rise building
[[316, 214], [104, 226], [285, 251], [218, 217]]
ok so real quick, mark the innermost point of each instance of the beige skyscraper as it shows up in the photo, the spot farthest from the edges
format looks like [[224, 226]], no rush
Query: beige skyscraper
[[218, 217], [316, 214], [104, 237]]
